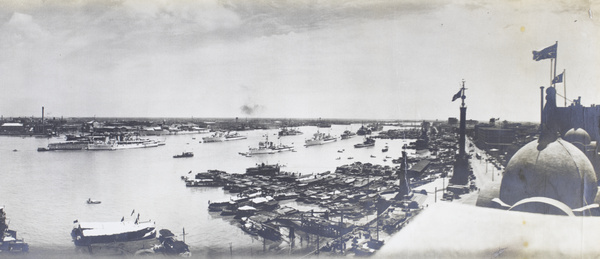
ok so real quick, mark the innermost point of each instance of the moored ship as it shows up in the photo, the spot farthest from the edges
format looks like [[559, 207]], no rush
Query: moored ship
[[320, 139], [215, 137], [88, 233], [369, 142], [107, 143], [8, 238], [69, 145], [184, 154], [234, 136], [347, 134], [289, 132], [267, 147]]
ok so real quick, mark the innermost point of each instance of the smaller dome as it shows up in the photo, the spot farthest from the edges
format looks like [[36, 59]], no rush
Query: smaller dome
[[578, 135]]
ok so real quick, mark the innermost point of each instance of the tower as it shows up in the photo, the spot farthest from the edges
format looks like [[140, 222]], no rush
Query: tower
[[461, 165]]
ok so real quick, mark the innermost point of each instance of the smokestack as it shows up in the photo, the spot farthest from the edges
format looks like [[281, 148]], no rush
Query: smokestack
[[42, 114]]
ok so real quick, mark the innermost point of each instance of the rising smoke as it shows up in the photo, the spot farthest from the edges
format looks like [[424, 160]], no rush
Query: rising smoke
[[251, 109]]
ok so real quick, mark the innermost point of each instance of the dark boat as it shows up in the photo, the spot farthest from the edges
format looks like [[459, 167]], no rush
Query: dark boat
[[90, 201], [385, 149], [184, 154], [171, 246], [289, 132], [88, 233], [8, 238], [347, 134], [263, 169], [369, 142], [363, 131]]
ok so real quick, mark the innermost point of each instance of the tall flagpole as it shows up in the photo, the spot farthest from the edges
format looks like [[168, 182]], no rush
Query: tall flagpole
[[551, 65], [555, 62], [565, 85]]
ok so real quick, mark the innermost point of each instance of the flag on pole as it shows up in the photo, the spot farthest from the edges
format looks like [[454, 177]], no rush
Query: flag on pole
[[558, 78], [457, 95], [549, 52]]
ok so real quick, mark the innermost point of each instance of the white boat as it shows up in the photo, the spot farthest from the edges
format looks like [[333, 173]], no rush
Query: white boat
[[121, 143], [320, 139], [234, 136], [267, 147], [216, 137], [102, 145], [87, 233]]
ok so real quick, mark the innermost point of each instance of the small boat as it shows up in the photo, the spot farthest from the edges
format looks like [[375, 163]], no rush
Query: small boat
[[385, 149], [350, 157], [90, 201], [184, 154]]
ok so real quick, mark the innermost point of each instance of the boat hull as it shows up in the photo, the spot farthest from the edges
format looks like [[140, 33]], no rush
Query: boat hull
[[102, 233]]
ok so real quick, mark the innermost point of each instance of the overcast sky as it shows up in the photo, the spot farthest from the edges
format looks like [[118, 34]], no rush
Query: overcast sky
[[293, 59]]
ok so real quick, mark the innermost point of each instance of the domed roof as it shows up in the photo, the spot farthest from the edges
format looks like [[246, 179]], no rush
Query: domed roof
[[578, 135], [559, 171]]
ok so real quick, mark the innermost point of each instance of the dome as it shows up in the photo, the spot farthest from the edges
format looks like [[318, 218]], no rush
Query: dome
[[578, 135], [559, 171]]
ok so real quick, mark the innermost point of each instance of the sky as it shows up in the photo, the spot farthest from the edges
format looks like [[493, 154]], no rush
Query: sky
[[353, 59]]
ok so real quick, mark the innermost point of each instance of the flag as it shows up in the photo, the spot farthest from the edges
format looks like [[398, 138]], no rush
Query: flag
[[549, 52], [558, 78], [123, 219], [133, 211], [457, 95]]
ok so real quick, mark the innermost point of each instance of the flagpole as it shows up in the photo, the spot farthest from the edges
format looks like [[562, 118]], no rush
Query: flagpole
[[565, 85], [551, 64], [555, 62]]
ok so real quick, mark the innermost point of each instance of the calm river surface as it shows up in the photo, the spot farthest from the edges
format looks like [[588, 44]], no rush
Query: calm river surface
[[44, 192]]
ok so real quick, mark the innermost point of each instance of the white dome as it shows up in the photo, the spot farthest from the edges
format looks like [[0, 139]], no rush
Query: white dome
[[559, 171]]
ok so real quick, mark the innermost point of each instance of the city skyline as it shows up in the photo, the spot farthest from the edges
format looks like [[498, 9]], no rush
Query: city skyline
[[300, 59]]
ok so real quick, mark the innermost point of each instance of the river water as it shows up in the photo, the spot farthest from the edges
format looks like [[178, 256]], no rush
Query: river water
[[44, 192]]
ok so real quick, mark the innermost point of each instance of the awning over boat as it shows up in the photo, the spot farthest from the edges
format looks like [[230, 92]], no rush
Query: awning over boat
[[246, 208], [112, 228]]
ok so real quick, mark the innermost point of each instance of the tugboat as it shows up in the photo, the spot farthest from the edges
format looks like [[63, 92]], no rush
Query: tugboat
[[369, 142], [184, 154], [8, 238]]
